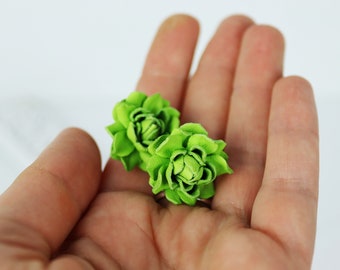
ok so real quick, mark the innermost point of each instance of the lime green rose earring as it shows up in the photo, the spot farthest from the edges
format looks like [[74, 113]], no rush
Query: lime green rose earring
[[182, 161], [139, 120]]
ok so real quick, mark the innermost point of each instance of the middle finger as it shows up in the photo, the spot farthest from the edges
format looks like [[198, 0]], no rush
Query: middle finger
[[208, 92]]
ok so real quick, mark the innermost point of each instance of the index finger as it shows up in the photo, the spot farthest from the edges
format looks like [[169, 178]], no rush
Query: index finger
[[165, 71]]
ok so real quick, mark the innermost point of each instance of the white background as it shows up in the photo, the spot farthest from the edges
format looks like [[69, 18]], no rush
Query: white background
[[66, 63]]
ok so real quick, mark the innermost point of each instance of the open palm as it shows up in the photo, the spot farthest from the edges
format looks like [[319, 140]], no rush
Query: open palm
[[64, 213]]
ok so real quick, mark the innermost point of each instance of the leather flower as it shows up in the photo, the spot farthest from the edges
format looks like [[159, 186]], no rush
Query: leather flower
[[139, 120], [185, 163]]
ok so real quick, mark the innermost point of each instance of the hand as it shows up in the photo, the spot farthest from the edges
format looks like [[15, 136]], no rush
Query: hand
[[63, 213]]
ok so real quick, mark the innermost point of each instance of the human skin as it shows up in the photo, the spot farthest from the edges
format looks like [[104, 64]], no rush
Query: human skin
[[63, 212]]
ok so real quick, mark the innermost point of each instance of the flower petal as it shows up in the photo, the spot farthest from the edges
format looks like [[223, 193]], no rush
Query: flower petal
[[114, 128], [203, 143], [207, 177], [207, 191], [176, 153], [153, 165], [151, 130], [170, 116], [136, 98], [173, 123], [194, 128], [130, 133], [178, 164], [172, 196], [169, 145], [199, 158], [152, 148], [144, 159], [169, 175], [121, 113], [158, 184], [218, 164], [131, 160], [221, 145], [121, 145], [155, 103], [188, 198], [192, 170]]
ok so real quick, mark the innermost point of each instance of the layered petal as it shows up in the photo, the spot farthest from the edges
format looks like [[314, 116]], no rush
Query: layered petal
[[121, 145], [203, 143], [121, 113], [159, 183], [207, 191], [136, 98], [171, 143], [131, 160], [172, 196], [193, 128], [155, 103]]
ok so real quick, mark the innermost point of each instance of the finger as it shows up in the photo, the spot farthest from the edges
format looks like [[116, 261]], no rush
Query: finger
[[169, 60], [207, 97], [286, 205], [258, 67], [48, 198], [166, 70]]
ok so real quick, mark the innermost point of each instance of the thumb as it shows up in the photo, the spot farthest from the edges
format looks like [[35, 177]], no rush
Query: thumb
[[44, 203]]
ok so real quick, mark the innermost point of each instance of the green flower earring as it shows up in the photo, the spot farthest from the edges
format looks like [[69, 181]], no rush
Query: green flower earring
[[182, 161], [185, 163], [139, 120]]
